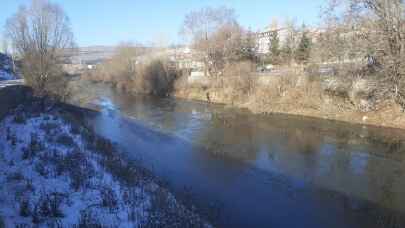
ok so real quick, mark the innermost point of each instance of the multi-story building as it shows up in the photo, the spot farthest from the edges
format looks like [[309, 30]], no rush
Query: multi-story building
[[263, 37]]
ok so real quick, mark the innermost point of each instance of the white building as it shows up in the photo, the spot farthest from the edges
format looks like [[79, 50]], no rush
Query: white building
[[263, 38]]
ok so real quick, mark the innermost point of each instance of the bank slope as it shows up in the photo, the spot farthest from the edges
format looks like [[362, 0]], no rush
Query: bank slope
[[54, 172]]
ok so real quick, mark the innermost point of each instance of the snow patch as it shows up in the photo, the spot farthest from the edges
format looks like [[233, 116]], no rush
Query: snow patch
[[36, 188], [52, 176]]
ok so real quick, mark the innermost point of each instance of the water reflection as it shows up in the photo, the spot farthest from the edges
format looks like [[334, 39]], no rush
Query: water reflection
[[280, 171]]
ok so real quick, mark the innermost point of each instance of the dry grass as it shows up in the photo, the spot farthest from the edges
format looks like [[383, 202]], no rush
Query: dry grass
[[349, 94]]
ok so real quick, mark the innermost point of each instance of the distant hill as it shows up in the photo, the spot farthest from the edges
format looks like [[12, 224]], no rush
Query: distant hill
[[95, 54], [92, 54]]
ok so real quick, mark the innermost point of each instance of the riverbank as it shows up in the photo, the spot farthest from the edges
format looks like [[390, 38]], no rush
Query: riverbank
[[55, 170], [299, 101]]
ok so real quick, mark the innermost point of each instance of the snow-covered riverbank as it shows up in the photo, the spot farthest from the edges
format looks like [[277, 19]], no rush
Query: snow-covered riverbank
[[53, 171]]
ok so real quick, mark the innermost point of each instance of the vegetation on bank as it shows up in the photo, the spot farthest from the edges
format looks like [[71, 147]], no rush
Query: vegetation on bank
[[137, 72], [351, 67], [352, 62]]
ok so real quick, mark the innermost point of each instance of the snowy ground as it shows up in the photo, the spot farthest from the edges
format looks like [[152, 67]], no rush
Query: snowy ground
[[55, 172]]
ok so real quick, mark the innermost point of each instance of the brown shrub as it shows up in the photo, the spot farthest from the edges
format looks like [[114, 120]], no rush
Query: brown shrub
[[156, 78], [236, 82]]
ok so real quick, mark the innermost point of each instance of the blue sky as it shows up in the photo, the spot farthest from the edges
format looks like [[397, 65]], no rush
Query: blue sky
[[108, 22]]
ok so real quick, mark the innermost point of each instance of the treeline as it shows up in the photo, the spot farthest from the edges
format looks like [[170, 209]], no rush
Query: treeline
[[356, 53], [220, 41]]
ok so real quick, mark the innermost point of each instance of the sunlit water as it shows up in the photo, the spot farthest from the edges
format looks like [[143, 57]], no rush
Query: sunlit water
[[245, 170]]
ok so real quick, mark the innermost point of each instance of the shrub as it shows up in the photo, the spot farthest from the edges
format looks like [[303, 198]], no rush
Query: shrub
[[155, 77], [66, 140], [15, 176], [76, 165], [19, 118], [25, 210], [48, 206], [336, 86], [74, 129], [11, 137], [42, 168], [42, 58], [109, 199], [48, 127], [29, 186], [242, 81], [363, 94], [35, 144], [104, 146], [87, 219]]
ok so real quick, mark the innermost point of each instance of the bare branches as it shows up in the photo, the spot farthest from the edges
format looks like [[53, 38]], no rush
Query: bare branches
[[40, 35], [218, 37], [372, 30], [201, 24]]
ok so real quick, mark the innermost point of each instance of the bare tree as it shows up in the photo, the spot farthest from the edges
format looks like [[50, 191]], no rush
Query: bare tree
[[124, 62], [372, 30], [290, 43], [202, 27], [41, 36], [5, 46], [390, 23], [121, 68], [201, 24], [218, 37], [303, 51]]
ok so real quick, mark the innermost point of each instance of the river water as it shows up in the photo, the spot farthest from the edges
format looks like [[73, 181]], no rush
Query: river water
[[245, 170]]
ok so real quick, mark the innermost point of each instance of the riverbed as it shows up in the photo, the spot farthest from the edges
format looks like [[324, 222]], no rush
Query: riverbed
[[246, 170]]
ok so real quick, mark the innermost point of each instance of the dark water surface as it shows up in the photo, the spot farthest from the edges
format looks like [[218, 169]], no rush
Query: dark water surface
[[245, 170]]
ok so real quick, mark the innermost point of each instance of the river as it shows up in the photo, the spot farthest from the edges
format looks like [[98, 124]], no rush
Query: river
[[245, 170]]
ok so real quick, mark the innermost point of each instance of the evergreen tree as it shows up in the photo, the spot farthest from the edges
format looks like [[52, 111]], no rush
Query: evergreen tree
[[248, 47], [304, 48], [274, 47]]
